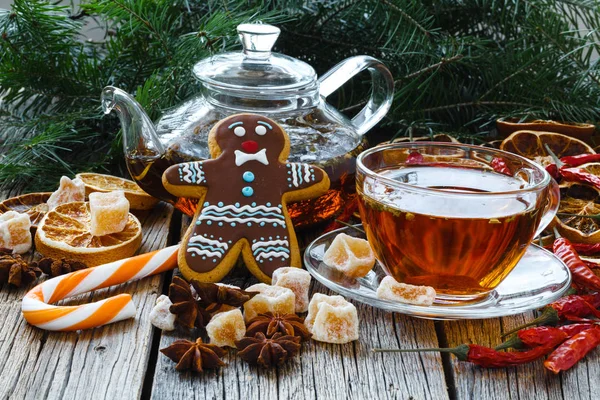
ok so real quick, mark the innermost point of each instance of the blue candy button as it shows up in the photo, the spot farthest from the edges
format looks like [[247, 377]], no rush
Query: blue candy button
[[247, 191], [248, 176]]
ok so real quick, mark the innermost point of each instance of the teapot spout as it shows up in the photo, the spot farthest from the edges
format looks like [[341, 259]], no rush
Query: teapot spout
[[139, 135], [144, 153]]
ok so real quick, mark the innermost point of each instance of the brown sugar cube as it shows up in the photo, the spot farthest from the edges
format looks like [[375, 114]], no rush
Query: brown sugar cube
[[390, 289], [298, 281], [352, 256], [275, 299], [68, 192], [14, 232], [225, 328], [110, 212], [161, 316], [332, 319]]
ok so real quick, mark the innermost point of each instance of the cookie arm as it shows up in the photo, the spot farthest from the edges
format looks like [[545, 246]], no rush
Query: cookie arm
[[305, 181], [179, 179]]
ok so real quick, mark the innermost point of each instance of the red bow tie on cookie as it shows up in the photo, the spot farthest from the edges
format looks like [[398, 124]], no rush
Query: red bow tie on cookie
[[242, 158]]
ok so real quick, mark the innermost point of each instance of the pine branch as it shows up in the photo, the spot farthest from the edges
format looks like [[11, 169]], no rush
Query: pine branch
[[503, 81], [151, 28], [472, 104], [407, 17], [327, 41], [328, 16], [410, 76], [430, 68], [569, 55]]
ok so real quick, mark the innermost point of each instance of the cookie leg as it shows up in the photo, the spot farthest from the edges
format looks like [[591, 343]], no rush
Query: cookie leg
[[207, 255], [272, 249]]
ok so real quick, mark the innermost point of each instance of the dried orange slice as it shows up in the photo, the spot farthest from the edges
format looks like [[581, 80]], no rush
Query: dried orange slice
[[582, 131], [530, 144], [32, 204], [138, 199], [577, 201], [65, 232]]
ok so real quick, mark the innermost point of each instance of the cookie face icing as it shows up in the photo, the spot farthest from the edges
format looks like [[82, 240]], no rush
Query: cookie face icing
[[243, 191]]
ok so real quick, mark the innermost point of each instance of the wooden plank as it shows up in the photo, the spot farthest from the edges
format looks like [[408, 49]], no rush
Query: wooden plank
[[103, 363], [531, 381], [321, 371]]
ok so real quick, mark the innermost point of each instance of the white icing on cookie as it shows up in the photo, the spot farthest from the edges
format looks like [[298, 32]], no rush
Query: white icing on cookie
[[306, 172], [241, 158], [234, 214], [216, 243], [191, 172], [270, 243], [281, 254]]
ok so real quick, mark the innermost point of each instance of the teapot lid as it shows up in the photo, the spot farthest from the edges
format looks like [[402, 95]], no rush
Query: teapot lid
[[256, 69]]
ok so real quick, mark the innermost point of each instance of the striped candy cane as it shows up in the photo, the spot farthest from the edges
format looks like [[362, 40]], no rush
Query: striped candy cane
[[38, 311]]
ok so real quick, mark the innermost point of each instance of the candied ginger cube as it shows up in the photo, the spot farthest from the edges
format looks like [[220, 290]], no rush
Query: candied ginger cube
[[68, 192], [390, 289], [332, 319], [298, 281], [160, 316], [110, 212], [352, 256], [275, 299], [15, 233], [225, 328]]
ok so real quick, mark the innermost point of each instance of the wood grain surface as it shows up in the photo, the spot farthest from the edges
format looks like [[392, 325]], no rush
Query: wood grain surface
[[122, 360]]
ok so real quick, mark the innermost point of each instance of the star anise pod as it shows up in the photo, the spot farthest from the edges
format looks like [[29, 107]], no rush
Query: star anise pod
[[54, 267], [271, 323], [213, 296], [196, 356], [187, 310], [16, 271], [268, 352]]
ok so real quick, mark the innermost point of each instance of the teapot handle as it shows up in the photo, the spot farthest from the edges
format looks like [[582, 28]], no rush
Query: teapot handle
[[381, 94]]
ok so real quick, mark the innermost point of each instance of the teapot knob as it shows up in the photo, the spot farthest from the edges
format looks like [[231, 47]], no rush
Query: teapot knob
[[258, 39]]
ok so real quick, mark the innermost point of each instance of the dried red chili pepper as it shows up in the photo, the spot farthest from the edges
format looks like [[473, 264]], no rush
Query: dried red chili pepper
[[571, 308], [533, 337], [591, 265], [580, 159], [587, 249], [500, 166], [574, 307], [579, 175], [487, 357], [552, 169], [415, 158], [540, 335], [593, 299], [573, 350], [573, 329], [571, 173], [581, 273]]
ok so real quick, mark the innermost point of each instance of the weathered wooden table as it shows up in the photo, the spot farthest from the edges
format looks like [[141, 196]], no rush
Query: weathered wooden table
[[122, 360]]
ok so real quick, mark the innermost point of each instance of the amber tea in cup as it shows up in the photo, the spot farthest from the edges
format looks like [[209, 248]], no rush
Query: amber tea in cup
[[440, 214]]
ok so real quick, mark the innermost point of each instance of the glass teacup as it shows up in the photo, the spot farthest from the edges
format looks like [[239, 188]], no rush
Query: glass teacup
[[452, 216]]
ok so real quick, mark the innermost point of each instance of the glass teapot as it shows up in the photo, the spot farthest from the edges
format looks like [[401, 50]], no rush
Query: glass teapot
[[259, 81]]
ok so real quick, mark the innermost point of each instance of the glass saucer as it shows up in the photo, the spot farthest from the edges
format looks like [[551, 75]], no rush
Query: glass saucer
[[538, 279]]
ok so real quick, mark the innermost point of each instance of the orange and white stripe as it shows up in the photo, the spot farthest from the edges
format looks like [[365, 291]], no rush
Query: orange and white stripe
[[38, 311]]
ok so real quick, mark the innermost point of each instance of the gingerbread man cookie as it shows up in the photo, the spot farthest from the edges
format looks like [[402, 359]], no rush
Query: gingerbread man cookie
[[243, 191]]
